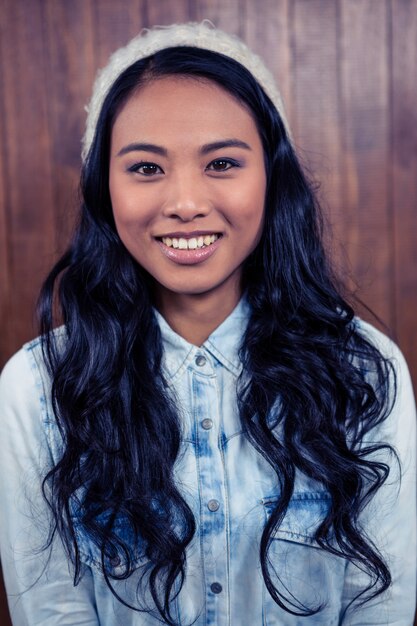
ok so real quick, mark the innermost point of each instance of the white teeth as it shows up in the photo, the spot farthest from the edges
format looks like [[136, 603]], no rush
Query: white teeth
[[189, 244]]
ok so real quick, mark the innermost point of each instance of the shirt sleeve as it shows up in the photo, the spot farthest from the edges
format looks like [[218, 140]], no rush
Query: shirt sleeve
[[39, 583], [390, 518]]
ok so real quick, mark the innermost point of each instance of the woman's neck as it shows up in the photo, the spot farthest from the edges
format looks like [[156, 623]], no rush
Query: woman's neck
[[196, 316]]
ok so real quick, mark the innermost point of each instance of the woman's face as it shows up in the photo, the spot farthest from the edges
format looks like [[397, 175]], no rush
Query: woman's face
[[187, 184]]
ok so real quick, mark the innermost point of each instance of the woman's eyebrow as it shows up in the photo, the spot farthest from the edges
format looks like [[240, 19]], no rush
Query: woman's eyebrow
[[225, 143], [144, 147], [205, 149]]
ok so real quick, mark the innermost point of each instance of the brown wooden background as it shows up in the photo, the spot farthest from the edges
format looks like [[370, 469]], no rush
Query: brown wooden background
[[348, 73]]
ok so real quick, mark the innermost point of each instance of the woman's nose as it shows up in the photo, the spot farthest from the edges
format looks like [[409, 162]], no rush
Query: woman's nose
[[186, 199]]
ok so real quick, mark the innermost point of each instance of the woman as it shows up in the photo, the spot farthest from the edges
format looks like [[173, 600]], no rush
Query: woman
[[211, 437]]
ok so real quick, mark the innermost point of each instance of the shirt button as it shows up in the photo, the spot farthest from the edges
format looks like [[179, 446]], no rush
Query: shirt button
[[216, 588], [207, 424], [213, 505], [200, 360]]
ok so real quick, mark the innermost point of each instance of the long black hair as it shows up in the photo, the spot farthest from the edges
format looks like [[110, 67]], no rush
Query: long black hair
[[120, 428]]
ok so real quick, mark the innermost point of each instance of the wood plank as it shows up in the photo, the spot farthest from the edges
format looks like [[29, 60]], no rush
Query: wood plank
[[5, 283], [266, 32], [166, 12], [365, 93], [316, 110], [71, 70], [28, 169], [115, 23], [404, 102], [228, 15]]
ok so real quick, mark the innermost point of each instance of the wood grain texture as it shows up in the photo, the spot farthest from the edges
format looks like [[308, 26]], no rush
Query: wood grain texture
[[404, 163], [5, 285], [317, 119], [115, 23], [26, 153], [367, 186], [166, 12], [71, 66], [267, 32], [226, 14], [347, 71]]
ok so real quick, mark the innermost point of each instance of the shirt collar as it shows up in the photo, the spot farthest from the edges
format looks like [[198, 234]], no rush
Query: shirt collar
[[223, 344]]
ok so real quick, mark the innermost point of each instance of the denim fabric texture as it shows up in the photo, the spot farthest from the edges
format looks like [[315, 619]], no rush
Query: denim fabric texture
[[231, 490]]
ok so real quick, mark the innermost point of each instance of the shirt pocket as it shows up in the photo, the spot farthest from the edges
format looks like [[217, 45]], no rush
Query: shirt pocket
[[303, 572], [303, 517], [116, 562]]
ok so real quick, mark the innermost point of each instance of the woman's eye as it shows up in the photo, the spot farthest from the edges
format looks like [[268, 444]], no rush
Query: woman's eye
[[221, 165], [146, 169]]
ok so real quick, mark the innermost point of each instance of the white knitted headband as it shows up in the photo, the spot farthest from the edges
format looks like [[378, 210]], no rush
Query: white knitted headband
[[203, 35]]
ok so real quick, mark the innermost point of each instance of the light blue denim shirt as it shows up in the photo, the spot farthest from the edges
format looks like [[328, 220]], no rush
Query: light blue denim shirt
[[231, 490]]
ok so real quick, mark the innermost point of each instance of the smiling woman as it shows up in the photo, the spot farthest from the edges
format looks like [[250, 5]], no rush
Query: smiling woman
[[187, 186], [212, 437]]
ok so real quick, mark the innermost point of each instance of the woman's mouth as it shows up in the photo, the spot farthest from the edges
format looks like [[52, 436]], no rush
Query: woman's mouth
[[192, 243], [189, 250]]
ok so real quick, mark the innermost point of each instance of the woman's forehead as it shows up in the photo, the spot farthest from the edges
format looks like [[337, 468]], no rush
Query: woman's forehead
[[181, 109]]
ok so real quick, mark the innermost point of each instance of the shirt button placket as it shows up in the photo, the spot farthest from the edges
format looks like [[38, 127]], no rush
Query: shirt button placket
[[212, 480]]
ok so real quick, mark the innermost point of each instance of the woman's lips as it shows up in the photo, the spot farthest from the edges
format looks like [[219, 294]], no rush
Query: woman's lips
[[189, 256]]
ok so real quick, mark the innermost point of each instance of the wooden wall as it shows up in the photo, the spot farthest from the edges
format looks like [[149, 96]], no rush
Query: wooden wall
[[348, 73]]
